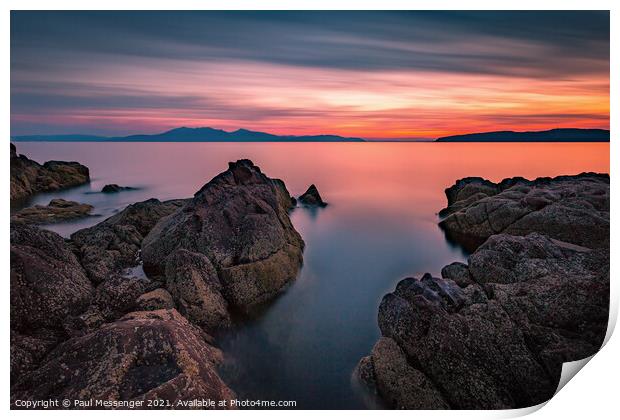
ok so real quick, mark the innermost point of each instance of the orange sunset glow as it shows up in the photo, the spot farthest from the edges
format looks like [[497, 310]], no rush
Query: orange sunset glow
[[353, 79]]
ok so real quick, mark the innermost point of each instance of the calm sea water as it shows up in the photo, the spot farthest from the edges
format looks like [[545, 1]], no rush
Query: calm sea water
[[380, 226]]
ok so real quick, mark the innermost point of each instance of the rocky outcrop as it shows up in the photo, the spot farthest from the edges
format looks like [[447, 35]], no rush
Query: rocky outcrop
[[114, 244], [312, 197], [58, 210], [144, 356], [523, 306], [47, 286], [493, 333], [230, 248], [573, 209], [233, 239], [29, 177], [114, 188]]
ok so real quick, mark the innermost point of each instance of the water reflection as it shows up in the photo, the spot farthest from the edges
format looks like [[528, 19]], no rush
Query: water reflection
[[380, 226]]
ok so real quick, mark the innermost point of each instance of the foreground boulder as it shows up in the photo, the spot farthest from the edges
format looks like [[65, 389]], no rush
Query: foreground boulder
[[114, 244], [47, 281], [498, 338], [144, 356], [312, 197], [29, 177], [58, 210], [47, 286], [573, 209], [237, 241]]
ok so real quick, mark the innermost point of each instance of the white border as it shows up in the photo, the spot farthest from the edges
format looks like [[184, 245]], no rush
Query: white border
[[592, 395]]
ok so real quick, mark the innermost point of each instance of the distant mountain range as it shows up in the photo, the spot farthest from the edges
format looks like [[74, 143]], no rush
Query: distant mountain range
[[185, 134], [554, 135]]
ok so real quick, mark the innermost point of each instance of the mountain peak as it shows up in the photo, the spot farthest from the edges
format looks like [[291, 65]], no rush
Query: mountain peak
[[196, 134]]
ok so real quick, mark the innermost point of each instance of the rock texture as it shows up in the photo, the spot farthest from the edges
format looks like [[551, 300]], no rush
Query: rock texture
[[193, 282], [493, 333], [58, 210], [144, 356], [73, 332], [573, 209], [29, 177], [154, 300], [47, 286], [312, 197], [114, 244], [237, 242]]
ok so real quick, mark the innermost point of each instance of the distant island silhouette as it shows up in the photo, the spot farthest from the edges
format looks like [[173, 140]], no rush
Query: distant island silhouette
[[186, 134], [553, 135], [208, 134]]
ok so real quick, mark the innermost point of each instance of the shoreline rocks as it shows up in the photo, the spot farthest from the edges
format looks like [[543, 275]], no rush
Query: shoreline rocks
[[47, 285], [143, 356], [573, 209], [493, 333], [58, 210], [73, 332], [237, 223], [114, 244], [29, 177]]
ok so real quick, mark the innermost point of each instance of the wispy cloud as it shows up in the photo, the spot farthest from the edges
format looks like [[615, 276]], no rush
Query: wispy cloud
[[376, 74]]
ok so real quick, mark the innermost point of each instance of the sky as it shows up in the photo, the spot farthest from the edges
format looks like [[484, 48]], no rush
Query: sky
[[381, 75]]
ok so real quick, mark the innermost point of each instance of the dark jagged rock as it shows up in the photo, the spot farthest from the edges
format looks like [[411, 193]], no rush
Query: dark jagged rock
[[58, 210], [114, 188], [573, 209], [47, 286], [238, 222], [143, 356], [114, 244], [29, 177], [312, 197], [528, 304]]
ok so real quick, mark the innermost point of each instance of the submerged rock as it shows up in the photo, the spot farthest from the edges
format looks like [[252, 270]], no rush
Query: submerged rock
[[29, 177], [58, 210], [114, 188], [238, 224], [114, 244], [498, 341], [573, 209], [143, 356], [312, 197]]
